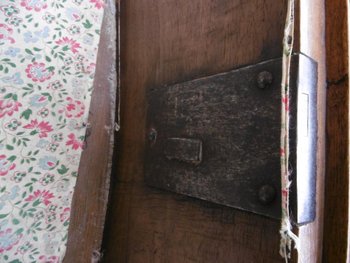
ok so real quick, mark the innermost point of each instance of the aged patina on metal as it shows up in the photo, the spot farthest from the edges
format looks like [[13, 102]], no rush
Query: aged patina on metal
[[217, 138]]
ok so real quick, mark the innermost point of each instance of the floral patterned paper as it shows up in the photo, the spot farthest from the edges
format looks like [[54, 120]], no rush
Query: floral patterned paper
[[47, 63], [286, 231]]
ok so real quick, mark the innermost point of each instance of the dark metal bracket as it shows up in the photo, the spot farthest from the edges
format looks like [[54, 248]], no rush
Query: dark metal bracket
[[217, 138]]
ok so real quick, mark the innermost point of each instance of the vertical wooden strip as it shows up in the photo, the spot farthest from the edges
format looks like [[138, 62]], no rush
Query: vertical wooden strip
[[337, 170], [310, 17], [91, 194], [164, 42]]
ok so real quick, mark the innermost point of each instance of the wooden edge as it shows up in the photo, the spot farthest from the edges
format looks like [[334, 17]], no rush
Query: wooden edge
[[91, 194], [310, 41], [348, 110], [336, 227]]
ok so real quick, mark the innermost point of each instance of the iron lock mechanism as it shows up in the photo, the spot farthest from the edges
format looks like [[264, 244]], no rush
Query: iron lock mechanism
[[217, 138]]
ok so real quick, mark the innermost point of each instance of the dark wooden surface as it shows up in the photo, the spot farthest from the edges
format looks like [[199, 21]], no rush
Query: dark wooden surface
[[337, 172], [164, 42], [92, 188]]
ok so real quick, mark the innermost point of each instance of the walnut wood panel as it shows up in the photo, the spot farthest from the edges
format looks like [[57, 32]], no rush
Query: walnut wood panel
[[337, 171], [169, 41], [91, 193]]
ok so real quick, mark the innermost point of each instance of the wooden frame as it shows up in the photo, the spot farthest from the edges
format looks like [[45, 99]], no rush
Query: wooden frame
[[336, 217], [92, 190]]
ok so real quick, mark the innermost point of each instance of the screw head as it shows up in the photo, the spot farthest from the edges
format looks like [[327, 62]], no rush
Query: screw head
[[264, 79], [267, 194], [152, 135]]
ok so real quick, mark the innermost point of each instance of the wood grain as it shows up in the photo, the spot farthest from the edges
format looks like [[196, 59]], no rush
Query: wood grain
[[91, 193], [337, 171], [170, 41], [164, 42]]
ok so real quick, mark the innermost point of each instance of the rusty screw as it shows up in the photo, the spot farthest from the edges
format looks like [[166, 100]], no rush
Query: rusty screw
[[264, 79], [152, 135], [267, 194]]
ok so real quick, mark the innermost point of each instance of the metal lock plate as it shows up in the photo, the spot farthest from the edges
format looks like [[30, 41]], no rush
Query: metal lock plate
[[217, 138]]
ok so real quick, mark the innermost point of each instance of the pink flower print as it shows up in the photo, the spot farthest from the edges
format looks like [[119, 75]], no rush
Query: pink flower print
[[51, 259], [74, 108], [285, 192], [38, 72], [282, 152], [5, 165], [73, 14], [37, 5], [76, 144], [69, 43], [41, 197], [38, 101], [98, 3], [65, 214], [285, 101], [5, 34], [42, 128], [8, 240], [8, 106], [48, 162]]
